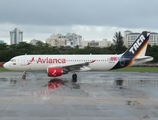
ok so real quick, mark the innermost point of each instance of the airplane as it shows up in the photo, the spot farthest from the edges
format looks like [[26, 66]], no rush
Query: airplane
[[57, 65]]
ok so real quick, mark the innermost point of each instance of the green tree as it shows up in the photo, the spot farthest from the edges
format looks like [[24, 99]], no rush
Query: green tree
[[118, 43], [152, 51], [3, 46]]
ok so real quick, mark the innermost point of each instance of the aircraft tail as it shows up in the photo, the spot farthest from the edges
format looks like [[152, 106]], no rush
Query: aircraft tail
[[135, 54], [138, 48]]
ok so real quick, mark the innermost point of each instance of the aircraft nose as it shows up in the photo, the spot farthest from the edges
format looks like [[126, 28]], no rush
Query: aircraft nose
[[6, 65]]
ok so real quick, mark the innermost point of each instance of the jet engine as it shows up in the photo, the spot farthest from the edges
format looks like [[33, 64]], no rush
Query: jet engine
[[54, 72]]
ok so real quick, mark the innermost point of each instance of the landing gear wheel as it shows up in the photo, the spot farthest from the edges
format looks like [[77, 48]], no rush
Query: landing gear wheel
[[24, 77], [74, 78]]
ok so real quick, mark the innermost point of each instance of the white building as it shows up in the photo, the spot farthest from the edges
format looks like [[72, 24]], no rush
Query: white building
[[93, 43], [73, 39], [70, 39], [130, 37], [16, 36]]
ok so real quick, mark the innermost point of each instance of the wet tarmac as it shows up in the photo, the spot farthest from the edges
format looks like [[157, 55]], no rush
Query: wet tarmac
[[96, 96]]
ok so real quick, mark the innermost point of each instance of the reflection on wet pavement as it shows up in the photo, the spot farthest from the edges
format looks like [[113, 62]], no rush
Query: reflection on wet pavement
[[109, 79], [54, 84], [120, 96]]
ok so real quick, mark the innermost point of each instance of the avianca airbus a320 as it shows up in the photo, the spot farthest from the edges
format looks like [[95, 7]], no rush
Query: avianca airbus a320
[[56, 65]]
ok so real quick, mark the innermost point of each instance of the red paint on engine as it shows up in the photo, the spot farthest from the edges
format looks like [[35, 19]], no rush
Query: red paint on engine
[[54, 72]]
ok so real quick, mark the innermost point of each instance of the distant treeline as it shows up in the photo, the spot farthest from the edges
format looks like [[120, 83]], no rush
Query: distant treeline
[[9, 51]]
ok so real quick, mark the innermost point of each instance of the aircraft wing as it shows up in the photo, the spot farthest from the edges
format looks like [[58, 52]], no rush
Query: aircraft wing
[[74, 67]]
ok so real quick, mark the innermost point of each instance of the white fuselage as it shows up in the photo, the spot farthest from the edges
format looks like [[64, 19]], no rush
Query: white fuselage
[[42, 62]]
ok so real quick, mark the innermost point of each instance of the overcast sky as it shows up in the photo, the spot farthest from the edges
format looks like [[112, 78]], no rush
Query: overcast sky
[[93, 19]]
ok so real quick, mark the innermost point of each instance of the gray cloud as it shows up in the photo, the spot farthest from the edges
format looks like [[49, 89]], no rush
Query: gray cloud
[[122, 13], [93, 19]]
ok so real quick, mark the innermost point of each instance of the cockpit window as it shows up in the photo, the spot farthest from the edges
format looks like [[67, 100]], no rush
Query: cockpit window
[[13, 60]]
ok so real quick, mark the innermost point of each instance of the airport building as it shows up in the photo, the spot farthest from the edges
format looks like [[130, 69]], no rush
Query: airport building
[[130, 37], [93, 43], [16, 36], [70, 39]]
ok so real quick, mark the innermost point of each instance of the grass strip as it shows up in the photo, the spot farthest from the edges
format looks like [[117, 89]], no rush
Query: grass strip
[[137, 69], [2, 69]]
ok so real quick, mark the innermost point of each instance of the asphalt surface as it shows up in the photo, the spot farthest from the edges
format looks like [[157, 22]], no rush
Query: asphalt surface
[[96, 96]]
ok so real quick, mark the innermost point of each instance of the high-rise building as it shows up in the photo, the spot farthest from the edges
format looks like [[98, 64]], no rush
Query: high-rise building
[[16, 36]]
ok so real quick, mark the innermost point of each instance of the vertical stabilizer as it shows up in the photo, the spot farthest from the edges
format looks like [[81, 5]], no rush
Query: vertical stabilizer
[[138, 48], [136, 51]]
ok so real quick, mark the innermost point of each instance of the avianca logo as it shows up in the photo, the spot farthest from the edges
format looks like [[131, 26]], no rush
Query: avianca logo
[[93, 61], [51, 60], [137, 44], [54, 73], [30, 61], [48, 60]]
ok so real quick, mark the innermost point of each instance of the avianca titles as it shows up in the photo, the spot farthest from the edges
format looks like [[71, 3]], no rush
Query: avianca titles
[[57, 65]]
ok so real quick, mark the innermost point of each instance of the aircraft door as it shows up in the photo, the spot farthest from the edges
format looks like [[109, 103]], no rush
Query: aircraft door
[[26, 63], [23, 61]]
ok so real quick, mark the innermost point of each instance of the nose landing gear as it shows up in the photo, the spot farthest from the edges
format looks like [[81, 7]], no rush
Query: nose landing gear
[[24, 75]]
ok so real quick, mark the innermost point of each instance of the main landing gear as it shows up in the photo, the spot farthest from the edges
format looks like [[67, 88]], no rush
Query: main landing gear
[[24, 75], [74, 77]]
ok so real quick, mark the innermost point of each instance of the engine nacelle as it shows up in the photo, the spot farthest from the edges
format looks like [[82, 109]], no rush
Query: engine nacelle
[[54, 72]]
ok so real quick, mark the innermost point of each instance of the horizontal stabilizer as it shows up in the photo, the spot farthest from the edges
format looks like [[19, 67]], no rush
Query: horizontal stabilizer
[[142, 60]]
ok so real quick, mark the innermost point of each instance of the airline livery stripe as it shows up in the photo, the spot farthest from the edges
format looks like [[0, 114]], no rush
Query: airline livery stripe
[[139, 51], [146, 42]]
